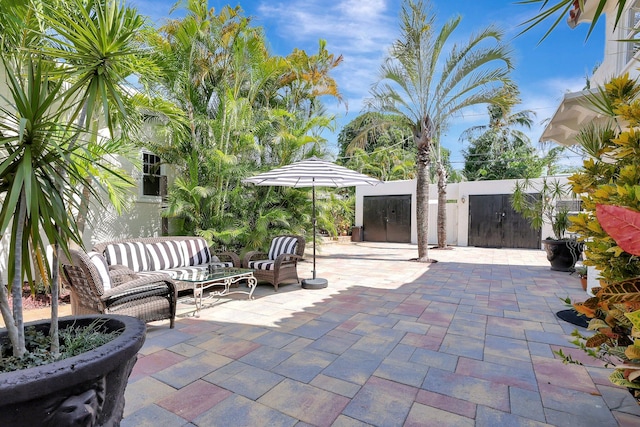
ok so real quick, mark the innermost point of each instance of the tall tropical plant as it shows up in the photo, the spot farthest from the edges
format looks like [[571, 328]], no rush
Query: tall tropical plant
[[208, 68], [61, 83], [245, 110], [413, 87]]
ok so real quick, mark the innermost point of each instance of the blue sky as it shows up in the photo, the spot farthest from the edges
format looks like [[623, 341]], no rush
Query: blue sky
[[363, 30]]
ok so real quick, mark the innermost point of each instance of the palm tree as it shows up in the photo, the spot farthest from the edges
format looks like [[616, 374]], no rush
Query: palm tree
[[500, 150], [502, 118], [308, 77], [425, 98]]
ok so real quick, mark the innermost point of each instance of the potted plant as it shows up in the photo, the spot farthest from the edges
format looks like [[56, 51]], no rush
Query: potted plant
[[610, 228], [538, 202], [63, 79], [581, 271]]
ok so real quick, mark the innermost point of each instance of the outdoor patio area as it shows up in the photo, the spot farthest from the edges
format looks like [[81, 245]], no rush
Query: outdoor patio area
[[465, 341]]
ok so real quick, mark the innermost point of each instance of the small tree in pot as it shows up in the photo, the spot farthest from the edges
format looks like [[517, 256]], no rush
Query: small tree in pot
[[538, 202]]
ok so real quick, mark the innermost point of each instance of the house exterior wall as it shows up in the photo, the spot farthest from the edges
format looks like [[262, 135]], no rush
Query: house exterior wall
[[619, 57], [142, 219], [457, 206]]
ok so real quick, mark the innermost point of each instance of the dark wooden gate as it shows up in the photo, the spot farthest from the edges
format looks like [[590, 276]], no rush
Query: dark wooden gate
[[387, 218], [494, 224]]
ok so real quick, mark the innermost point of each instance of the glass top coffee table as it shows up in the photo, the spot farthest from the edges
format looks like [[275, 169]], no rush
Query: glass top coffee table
[[222, 276]]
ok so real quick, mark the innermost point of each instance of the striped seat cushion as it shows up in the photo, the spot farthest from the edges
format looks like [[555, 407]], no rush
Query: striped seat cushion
[[103, 269], [215, 261], [130, 254], [262, 264], [185, 273], [192, 273], [195, 252], [282, 245], [266, 264], [164, 255]]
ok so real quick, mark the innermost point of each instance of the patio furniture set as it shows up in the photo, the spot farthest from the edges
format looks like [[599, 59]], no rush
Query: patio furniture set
[[143, 277]]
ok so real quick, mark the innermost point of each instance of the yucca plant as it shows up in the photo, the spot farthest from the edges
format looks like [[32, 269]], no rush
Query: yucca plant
[[65, 61]]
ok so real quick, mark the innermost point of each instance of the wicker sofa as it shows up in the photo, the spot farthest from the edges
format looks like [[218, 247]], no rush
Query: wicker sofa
[[134, 276], [167, 254], [280, 262]]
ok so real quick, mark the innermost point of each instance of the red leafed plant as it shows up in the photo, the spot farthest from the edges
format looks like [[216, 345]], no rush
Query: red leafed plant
[[622, 224]]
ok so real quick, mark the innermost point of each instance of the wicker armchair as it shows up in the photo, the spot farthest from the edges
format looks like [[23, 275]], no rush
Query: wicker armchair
[[280, 263], [150, 297]]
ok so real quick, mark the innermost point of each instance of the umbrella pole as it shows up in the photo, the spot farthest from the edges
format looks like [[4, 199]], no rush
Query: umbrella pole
[[314, 283], [313, 197]]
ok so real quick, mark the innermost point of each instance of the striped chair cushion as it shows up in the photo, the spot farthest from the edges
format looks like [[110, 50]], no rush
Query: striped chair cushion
[[130, 254], [196, 251], [167, 254], [266, 264], [282, 245], [262, 264], [103, 269]]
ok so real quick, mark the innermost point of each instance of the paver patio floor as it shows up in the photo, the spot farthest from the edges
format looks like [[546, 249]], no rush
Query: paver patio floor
[[468, 340]]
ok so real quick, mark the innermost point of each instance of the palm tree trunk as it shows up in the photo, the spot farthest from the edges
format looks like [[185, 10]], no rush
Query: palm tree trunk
[[442, 205], [422, 211], [423, 162]]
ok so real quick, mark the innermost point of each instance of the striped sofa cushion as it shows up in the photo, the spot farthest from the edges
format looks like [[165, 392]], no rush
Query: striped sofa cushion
[[195, 251], [193, 273], [103, 269], [215, 261], [282, 245], [130, 254], [164, 255]]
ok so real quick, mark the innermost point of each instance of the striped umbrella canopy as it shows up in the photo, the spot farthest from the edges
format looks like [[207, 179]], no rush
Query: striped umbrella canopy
[[312, 172]]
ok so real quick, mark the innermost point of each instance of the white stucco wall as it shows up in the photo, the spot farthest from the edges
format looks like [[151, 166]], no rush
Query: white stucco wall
[[616, 59], [142, 219], [457, 212]]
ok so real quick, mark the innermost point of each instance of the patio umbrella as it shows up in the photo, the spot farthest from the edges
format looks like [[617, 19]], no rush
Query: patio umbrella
[[312, 172]]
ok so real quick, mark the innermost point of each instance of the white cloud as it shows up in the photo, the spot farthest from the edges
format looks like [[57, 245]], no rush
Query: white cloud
[[359, 31]]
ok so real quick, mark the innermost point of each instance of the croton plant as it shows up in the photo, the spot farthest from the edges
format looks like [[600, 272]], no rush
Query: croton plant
[[609, 225], [615, 309]]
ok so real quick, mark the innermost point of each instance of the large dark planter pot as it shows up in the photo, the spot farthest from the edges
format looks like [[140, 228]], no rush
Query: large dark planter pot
[[562, 254], [85, 390]]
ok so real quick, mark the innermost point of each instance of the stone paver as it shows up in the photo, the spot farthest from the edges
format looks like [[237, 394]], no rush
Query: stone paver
[[465, 341], [382, 402], [194, 399], [305, 402]]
